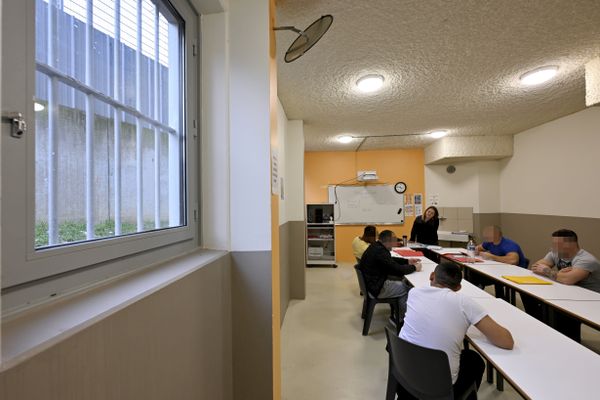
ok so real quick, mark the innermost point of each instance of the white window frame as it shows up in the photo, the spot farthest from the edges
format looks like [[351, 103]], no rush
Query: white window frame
[[22, 265]]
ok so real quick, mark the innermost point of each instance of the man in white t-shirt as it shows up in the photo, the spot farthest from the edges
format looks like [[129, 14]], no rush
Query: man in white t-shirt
[[438, 317]]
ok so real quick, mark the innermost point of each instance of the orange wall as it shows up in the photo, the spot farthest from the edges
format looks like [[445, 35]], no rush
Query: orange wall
[[326, 168]]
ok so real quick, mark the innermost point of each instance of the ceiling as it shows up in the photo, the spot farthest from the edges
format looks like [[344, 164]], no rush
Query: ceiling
[[447, 65]]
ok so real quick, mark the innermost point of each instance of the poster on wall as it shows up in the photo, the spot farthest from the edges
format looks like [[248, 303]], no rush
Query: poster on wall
[[409, 210], [418, 203]]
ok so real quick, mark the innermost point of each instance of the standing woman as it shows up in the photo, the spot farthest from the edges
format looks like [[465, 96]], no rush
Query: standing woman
[[424, 229]]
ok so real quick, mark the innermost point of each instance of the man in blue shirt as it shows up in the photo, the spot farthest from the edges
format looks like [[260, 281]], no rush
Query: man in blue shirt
[[497, 248]]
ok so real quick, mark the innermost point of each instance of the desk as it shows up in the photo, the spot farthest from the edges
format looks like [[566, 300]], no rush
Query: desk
[[421, 278], [544, 364], [587, 312], [556, 291], [540, 352], [567, 298]]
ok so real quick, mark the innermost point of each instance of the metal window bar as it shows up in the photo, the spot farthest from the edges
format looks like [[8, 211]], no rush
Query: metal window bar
[[117, 117], [138, 122], [52, 124], [156, 116], [176, 207], [89, 125], [70, 81], [72, 56]]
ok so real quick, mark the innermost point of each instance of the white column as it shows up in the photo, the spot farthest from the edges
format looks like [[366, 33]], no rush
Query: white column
[[250, 143]]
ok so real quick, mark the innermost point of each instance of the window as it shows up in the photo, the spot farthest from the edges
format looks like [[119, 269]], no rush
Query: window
[[107, 152], [108, 157]]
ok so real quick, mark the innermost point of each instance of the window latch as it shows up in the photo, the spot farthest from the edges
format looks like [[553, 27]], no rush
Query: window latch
[[17, 122]]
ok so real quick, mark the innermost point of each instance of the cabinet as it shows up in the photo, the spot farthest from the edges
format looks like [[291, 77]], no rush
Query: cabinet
[[320, 235]]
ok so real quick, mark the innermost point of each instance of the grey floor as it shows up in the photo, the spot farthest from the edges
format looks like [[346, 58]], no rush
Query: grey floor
[[324, 355]]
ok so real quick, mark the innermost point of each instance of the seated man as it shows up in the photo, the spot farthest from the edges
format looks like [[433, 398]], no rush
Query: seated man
[[377, 264], [499, 248], [496, 247], [361, 243], [438, 316], [570, 265]]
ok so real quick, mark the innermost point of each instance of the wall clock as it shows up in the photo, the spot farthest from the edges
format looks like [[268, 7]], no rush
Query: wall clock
[[400, 187]]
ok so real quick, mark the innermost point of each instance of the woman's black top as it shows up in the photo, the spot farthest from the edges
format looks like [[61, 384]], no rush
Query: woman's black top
[[425, 231]]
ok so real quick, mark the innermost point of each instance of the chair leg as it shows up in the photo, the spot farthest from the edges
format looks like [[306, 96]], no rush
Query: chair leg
[[392, 387], [490, 372], [368, 316], [499, 382], [364, 308], [396, 316]]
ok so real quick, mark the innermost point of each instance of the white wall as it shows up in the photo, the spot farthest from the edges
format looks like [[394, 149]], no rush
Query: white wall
[[474, 184], [290, 136], [294, 155], [236, 167], [282, 122], [249, 122], [555, 168], [215, 133], [489, 187]]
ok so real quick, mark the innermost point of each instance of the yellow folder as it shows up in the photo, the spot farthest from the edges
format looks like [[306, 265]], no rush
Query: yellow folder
[[526, 280]]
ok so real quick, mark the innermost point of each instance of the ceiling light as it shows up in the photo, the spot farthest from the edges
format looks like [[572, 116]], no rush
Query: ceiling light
[[539, 75], [370, 83], [438, 134], [38, 107], [344, 139]]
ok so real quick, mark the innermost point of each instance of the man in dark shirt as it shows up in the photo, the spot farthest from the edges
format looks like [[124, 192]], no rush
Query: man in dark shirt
[[377, 264]]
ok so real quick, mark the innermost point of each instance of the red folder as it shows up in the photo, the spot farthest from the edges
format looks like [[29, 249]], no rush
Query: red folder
[[408, 253]]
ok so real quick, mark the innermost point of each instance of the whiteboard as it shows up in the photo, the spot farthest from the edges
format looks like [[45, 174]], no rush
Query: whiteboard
[[372, 204]]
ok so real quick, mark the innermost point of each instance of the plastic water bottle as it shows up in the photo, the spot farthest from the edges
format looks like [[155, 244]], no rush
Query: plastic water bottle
[[471, 248]]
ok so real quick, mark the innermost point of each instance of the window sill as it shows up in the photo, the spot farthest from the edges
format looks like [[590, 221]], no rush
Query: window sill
[[38, 329]]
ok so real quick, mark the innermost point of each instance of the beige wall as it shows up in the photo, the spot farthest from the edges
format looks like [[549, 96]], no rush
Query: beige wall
[[533, 232], [473, 184], [554, 169], [551, 181], [173, 344]]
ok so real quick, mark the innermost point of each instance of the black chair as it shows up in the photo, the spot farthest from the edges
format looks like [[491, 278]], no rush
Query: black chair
[[369, 302], [422, 372]]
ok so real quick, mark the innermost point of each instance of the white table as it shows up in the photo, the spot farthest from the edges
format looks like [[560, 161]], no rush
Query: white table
[[542, 359], [421, 278], [445, 250], [555, 291], [586, 311], [544, 364]]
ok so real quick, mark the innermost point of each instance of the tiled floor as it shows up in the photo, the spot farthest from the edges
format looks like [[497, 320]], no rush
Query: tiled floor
[[324, 355]]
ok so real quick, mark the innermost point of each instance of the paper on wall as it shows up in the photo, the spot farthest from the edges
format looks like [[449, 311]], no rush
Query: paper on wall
[[274, 172], [418, 203], [409, 210]]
